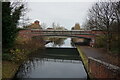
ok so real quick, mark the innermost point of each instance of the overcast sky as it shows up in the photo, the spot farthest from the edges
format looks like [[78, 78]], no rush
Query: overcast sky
[[63, 13]]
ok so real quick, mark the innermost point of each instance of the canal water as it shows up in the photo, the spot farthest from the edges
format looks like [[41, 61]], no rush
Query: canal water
[[58, 60]]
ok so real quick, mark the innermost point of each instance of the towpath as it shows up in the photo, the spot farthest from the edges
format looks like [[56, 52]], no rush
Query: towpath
[[101, 54]]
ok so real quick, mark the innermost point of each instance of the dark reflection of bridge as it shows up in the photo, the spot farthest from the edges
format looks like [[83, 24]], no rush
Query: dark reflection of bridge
[[58, 53]]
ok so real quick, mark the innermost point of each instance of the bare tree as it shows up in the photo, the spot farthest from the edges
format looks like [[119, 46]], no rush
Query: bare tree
[[43, 25], [101, 16]]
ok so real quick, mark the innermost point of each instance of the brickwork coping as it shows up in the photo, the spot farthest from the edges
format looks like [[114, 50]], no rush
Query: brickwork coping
[[108, 65]]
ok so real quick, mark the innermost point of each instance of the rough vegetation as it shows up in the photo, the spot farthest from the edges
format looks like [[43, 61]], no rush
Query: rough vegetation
[[9, 69], [19, 53]]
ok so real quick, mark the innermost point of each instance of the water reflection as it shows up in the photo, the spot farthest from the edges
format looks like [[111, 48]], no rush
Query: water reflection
[[60, 42], [52, 68]]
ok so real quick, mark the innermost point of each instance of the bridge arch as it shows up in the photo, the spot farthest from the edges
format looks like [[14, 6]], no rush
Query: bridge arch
[[85, 34]]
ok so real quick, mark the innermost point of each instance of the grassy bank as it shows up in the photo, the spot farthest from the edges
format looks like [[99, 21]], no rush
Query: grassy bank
[[84, 60], [15, 56], [9, 69], [0, 69], [83, 57]]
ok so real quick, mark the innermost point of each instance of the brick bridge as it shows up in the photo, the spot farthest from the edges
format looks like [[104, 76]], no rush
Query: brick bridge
[[86, 34]]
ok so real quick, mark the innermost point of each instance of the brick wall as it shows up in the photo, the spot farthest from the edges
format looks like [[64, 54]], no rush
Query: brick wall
[[99, 69], [25, 33]]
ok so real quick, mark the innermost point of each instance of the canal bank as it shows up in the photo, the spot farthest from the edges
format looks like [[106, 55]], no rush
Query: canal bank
[[13, 58], [97, 65]]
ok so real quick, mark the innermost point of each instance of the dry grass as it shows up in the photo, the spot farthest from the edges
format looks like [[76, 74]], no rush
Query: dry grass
[[0, 70], [112, 58], [109, 57], [9, 69]]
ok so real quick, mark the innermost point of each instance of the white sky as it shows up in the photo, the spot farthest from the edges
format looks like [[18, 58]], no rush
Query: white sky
[[64, 13]]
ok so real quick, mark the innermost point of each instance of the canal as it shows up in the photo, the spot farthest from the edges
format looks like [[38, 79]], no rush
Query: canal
[[60, 59]]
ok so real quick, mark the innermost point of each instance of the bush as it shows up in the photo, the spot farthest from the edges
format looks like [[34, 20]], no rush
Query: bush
[[115, 44], [6, 56], [100, 41], [14, 55], [18, 55]]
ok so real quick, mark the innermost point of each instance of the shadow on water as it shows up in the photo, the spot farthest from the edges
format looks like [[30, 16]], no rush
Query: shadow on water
[[53, 62]]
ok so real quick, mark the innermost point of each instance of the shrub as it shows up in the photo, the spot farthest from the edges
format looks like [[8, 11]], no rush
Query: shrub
[[100, 41], [6, 56], [18, 55]]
